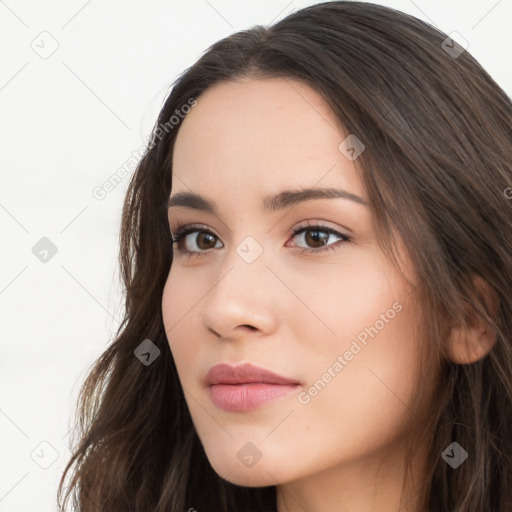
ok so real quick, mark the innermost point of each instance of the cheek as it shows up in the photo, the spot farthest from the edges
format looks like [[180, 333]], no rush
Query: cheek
[[179, 299], [360, 355], [375, 365], [181, 295], [341, 302]]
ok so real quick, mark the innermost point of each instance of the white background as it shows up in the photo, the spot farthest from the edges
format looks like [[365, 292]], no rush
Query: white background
[[68, 122]]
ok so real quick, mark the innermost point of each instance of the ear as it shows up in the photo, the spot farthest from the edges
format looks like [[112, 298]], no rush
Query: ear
[[468, 344]]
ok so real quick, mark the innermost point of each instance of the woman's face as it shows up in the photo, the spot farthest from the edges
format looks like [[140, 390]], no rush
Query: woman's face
[[329, 315]]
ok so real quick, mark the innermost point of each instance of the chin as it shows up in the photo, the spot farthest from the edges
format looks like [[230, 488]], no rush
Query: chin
[[259, 475], [249, 479]]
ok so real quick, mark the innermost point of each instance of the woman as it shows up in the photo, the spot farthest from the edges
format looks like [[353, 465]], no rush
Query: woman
[[317, 255]]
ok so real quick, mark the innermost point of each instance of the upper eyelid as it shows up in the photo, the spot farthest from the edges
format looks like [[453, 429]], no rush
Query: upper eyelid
[[194, 227]]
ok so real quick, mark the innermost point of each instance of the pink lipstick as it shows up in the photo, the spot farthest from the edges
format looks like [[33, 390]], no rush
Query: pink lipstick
[[245, 387]]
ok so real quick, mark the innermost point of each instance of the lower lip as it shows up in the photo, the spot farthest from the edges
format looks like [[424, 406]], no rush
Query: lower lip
[[245, 397]]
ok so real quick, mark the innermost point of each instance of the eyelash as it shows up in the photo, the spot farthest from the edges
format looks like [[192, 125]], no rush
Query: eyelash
[[183, 231]]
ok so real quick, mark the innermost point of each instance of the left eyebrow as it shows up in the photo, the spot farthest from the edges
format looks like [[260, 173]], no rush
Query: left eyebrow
[[271, 204]]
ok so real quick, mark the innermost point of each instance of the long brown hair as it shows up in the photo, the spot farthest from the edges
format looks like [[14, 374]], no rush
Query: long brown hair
[[437, 169]]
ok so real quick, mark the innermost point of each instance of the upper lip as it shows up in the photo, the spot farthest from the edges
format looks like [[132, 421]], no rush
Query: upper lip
[[243, 374]]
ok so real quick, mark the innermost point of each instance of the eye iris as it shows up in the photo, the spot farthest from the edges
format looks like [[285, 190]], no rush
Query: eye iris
[[202, 236], [313, 236]]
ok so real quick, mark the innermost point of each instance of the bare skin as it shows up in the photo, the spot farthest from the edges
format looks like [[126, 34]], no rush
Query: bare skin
[[291, 311]]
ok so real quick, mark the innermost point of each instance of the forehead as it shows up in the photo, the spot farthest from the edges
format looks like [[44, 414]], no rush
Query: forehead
[[261, 134]]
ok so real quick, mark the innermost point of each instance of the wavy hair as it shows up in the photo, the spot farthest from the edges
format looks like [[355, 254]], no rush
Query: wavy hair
[[437, 170]]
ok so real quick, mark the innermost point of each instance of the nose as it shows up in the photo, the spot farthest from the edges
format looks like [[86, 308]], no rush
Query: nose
[[242, 299]]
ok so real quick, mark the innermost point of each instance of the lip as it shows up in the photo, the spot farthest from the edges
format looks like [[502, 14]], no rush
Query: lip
[[245, 387]]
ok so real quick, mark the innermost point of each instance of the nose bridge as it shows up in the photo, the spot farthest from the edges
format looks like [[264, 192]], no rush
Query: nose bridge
[[242, 270], [240, 295]]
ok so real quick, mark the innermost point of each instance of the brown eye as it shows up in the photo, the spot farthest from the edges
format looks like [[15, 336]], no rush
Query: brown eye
[[195, 240], [204, 240], [316, 237]]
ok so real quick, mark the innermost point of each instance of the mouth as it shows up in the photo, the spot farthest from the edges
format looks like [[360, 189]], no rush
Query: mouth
[[246, 387]]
